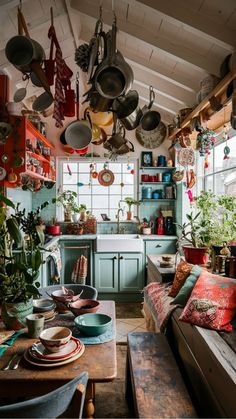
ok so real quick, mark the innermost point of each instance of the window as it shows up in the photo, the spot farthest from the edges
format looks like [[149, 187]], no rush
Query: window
[[220, 176], [75, 175]]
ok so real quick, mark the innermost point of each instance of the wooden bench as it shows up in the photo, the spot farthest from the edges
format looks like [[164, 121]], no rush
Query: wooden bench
[[158, 389]]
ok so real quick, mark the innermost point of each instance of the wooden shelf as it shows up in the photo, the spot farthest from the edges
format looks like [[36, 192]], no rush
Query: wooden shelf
[[38, 134], [39, 157], [37, 176], [219, 89]]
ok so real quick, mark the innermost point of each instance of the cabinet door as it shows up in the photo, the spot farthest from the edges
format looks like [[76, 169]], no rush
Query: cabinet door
[[106, 272], [70, 252], [160, 246], [131, 272]]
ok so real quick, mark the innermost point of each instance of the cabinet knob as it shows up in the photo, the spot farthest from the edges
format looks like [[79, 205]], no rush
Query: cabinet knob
[[121, 257], [114, 257], [158, 245]]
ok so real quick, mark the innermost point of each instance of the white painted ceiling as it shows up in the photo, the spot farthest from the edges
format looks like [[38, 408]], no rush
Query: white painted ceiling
[[170, 44]]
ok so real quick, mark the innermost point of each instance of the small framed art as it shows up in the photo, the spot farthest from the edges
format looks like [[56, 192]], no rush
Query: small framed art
[[146, 158]]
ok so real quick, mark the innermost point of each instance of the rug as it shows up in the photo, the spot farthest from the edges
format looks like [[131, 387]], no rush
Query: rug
[[110, 399], [128, 310]]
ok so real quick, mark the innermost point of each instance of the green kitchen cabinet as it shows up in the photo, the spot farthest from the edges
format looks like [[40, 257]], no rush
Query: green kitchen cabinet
[[160, 246], [118, 273], [71, 250]]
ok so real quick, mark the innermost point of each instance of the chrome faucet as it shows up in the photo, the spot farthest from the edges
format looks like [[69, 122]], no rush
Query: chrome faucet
[[120, 210]]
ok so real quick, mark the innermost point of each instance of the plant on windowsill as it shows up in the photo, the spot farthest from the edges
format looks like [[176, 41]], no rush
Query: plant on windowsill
[[67, 199], [130, 202], [212, 225], [21, 259], [79, 212]]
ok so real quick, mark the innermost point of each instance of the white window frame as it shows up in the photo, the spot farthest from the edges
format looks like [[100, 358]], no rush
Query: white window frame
[[75, 159]]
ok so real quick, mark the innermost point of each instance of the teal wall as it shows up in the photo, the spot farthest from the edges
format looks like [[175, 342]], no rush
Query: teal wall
[[40, 197], [24, 197]]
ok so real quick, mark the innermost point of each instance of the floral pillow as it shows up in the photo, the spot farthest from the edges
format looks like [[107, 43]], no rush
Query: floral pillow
[[182, 272], [212, 303]]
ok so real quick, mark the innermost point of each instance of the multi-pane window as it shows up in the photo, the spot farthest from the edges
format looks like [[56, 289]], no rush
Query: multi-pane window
[[220, 176], [75, 176]]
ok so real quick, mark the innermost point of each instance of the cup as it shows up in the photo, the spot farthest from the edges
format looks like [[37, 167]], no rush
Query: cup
[[35, 324]]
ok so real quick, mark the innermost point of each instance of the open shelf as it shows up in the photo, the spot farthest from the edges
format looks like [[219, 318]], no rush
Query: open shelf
[[37, 176], [157, 183], [157, 168], [157, 200]]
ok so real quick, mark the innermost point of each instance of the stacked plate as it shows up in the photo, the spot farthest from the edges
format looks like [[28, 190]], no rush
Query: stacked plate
[[46, 307], [38, 355]]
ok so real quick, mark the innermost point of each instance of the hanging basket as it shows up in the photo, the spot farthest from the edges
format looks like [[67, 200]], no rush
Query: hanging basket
[[205, 141]]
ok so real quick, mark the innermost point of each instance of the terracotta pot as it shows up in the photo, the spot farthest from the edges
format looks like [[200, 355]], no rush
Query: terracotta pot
[[129, 215], [196, 255]]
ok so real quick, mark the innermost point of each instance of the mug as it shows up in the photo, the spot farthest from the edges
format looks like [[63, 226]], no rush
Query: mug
[[35, 324]]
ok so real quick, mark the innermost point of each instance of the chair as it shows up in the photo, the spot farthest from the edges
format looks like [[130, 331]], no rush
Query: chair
[[89, 292], [68, 399]]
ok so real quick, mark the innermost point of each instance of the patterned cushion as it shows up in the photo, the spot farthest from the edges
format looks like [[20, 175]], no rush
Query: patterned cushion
[[185, 291], [212, 303], [182, 272]]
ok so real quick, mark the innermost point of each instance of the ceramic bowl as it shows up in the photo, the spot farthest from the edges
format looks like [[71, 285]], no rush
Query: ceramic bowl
[[43, 304], [55, 338], [93, 324], [83, 306], [59, 295]]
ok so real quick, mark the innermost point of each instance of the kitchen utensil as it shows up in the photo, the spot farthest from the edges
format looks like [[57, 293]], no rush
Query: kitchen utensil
[[186, 157], [161, 161], [35, 324], [146, 192], [113, 76], [28, 356], [150, 119], [43, 304], [39, 351], [20, 94], [151, 139], [16, 364], [8, 365], [42, 102], [83, 306], [127, 109], [93, 324], [55, 338]]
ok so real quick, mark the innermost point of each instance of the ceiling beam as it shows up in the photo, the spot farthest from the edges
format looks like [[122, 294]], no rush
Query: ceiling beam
[[179, 52], [173, 10]]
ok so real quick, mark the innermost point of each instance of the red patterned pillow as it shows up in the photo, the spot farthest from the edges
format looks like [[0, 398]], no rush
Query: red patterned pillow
[[212, 303], [182, 272]]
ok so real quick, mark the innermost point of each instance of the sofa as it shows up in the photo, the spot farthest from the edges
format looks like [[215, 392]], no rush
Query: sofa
[[207, 358]]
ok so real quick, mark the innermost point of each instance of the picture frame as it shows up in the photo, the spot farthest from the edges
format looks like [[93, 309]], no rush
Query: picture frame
[[146, 158]]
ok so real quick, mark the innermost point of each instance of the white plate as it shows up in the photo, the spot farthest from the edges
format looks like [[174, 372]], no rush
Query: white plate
[[68, 350], [43, 304], [44, 364]]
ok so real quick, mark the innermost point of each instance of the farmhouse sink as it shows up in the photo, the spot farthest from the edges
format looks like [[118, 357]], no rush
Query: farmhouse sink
[[119, 243]]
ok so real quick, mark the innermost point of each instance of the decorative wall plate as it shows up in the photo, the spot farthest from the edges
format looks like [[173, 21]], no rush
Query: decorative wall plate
[[2, 173], [106, 177]]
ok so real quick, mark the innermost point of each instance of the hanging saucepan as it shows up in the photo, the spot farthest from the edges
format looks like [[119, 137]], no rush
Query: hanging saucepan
[[113, 76], [127, 109], [94, 48], [151, 139], [78, 134], [97, 103], [117, 138], [100, 118], [151, 119]]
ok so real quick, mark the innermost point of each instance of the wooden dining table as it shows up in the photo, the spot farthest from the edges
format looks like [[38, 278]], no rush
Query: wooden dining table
[[99, 360]]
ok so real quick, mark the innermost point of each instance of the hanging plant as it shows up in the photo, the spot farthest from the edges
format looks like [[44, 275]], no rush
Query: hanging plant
[[205, 141]]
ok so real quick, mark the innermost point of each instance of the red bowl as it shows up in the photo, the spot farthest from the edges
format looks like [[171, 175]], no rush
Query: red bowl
[[83, 306]]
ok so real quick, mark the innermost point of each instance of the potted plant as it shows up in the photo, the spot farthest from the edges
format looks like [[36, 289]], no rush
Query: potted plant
[[130, 201], [211, 225], [79, 212], [20, 262], [53, 228], [68, 199]]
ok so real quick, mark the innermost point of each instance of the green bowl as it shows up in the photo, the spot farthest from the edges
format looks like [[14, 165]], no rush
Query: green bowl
[[93, 324]]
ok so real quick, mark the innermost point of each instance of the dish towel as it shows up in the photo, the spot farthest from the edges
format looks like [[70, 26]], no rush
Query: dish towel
[[55, 266], [80, 270], [4, 346]]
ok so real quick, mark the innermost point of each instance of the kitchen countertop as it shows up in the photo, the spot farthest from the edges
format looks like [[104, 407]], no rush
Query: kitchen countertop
[[55, 239]]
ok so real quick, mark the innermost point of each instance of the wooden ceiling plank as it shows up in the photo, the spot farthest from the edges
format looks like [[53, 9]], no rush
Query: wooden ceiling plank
[[197, 22], [179, 51]]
